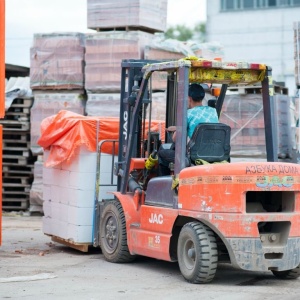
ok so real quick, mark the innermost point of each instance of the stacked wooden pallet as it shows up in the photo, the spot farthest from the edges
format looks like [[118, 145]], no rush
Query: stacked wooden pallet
[[18, 160]]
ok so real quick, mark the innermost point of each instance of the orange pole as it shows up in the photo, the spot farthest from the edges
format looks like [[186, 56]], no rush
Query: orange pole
[[2, 93]]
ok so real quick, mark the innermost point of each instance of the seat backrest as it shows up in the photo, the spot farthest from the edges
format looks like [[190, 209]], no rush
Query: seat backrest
[[210, 142]]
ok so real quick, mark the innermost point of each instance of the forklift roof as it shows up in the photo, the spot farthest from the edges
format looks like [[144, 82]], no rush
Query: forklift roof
[[213, 71]]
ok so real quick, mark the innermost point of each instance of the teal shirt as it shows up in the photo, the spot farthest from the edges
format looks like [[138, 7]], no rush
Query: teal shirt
[[200, 114]]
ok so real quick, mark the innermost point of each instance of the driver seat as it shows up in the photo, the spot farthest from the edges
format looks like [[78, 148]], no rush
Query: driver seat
[[210, 142]]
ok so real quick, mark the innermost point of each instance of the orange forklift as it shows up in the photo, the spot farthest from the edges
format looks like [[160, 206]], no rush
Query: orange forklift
[[209, 210]]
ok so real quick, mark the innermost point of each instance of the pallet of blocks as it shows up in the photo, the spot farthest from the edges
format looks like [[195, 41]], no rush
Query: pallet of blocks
[[70, 175], [145, 15], [18, 161], [243, 112]]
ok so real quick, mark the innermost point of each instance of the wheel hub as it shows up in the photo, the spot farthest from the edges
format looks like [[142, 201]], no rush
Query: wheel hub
[[191, 253], [111, 233]]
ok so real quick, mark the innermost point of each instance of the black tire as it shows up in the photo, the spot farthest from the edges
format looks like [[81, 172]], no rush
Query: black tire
[[197, 253], [113, 236], [288, 274]]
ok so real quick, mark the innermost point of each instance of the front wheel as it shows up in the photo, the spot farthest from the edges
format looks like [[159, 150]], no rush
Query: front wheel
[[288, 274], [113, 236], [197, 253]]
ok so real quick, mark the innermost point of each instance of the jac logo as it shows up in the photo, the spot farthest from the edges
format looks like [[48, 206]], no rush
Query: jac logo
[[156, 219], [231, 65], [125, 119]]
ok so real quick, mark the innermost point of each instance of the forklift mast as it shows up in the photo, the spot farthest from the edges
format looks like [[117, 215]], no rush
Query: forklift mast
[[130, 116]]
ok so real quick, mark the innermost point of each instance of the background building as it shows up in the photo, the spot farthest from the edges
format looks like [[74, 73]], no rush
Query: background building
[[257, 31]]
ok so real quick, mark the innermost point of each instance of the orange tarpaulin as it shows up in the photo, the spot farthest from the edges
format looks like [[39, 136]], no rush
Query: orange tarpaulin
[[65, 131]]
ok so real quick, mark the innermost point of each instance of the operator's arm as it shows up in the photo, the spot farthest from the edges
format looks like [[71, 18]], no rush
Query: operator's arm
[[172, 129]]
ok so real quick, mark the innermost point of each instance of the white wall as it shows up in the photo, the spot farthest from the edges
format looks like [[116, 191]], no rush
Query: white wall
[[261, 35]]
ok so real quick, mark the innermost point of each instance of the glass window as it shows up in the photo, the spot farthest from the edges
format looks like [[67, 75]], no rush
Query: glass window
[[271, 2], [284, 2], [248, 3], [229, 4]]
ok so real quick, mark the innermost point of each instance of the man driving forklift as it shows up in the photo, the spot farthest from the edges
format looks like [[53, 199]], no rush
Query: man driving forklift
[[197, 113]]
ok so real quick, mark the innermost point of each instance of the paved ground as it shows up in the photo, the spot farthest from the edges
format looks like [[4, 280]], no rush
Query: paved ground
[[33, 267]]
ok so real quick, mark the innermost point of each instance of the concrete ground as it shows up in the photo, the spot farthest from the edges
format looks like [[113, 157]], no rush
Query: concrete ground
[[33, 267]]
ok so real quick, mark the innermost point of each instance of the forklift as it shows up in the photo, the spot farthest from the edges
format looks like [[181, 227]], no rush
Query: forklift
[[243, 213]]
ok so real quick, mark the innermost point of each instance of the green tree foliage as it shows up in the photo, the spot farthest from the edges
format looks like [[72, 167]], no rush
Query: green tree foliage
[[184, 33]]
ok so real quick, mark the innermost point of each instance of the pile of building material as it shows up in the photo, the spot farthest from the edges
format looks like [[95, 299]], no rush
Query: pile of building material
[[104, 54], [18, 161], [123, 30], [56, 61], [243, 112], [145, 15], [57, 81]]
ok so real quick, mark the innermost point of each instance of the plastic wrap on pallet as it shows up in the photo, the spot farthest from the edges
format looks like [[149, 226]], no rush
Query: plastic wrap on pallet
[[149, 15], [108, 105], [283, 125], [103, 105], [244, 114], [48, 103], [209, 50], [17, 87], [297, 127], [161, 49], [296, 27], [57, 61], [104, 54]]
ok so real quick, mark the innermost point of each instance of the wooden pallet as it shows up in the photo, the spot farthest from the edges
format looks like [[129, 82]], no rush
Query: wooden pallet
[[16, 178], [257, 89], [15, 203], [15, 144], [12, 125], [15, 160], [16, 188], [16, 136], [124, 28], [81, 247], [22, 102]]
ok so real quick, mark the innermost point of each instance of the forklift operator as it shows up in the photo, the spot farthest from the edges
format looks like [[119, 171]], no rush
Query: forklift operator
[[196, 114]]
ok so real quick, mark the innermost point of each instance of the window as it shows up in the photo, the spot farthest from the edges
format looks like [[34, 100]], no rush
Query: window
[[248, 3], [254, 4]]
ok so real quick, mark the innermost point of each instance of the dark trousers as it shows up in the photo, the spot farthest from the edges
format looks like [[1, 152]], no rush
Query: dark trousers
[[165, 157]]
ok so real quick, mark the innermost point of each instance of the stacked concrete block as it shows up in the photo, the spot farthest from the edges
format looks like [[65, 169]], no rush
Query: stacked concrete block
[[297, 52], [56, 61], [104, 54], [162, 53], [147, 15], [105, 104], [244, 114], [108, 105], [69, 195], [283, 125], [209, 50], [48, 103]]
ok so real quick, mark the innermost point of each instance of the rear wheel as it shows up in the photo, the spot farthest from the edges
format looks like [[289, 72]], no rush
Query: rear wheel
[[113, 236], [288, 274], [197, 253]]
